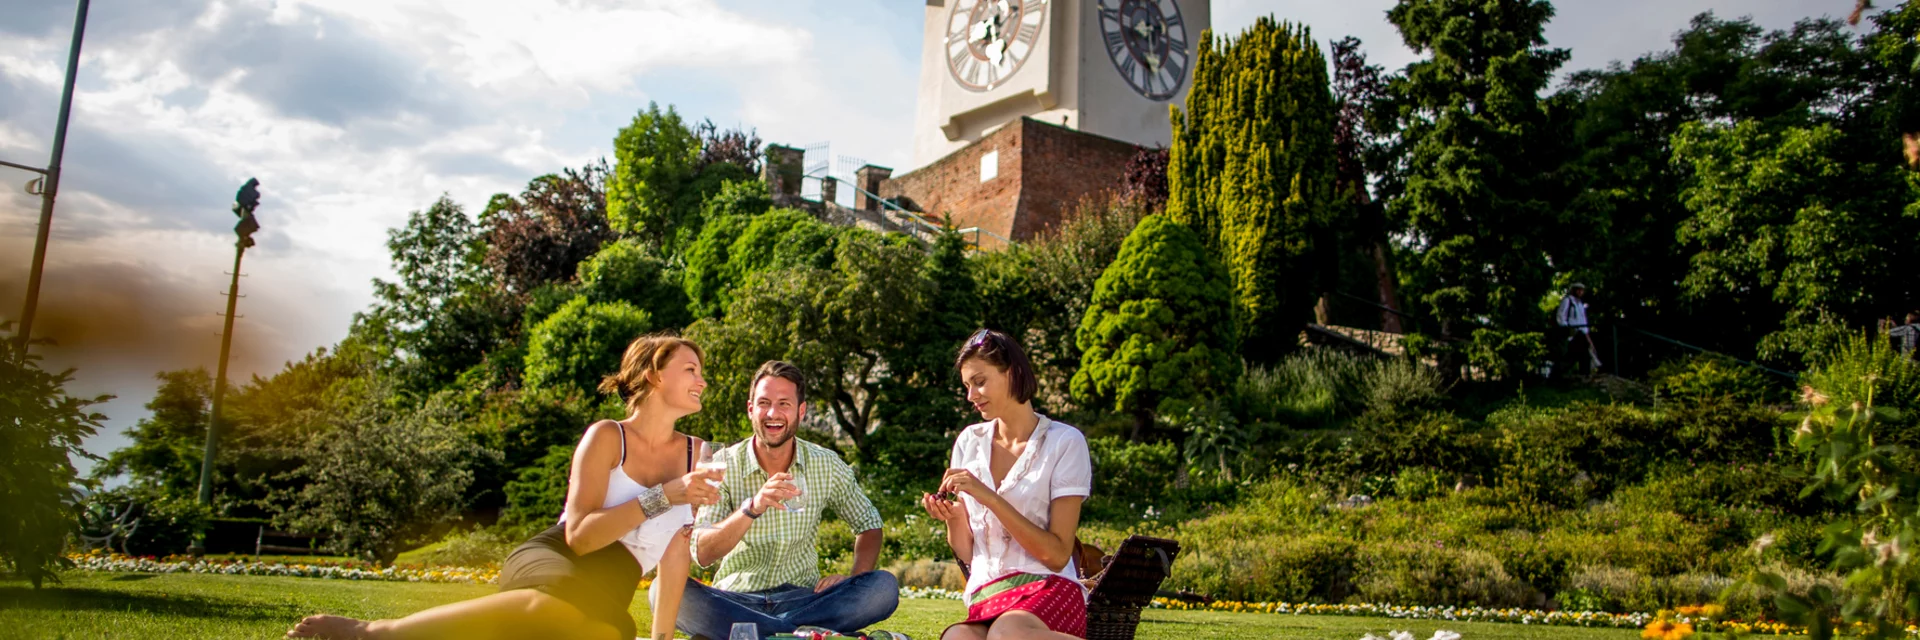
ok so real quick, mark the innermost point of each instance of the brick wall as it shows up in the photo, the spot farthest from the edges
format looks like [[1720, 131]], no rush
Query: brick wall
[[1064, 166], [1043, 171]]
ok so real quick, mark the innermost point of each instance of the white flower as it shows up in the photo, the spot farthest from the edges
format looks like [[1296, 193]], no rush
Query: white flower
[[1371, 637], [1444, 634], [1400, 635]]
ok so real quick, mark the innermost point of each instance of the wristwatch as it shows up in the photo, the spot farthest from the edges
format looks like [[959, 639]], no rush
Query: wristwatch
[[746, 508]]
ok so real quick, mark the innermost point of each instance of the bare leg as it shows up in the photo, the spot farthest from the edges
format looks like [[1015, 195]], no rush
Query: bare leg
[[975, 631], [508, 614], [671, 575], [1021, 625]]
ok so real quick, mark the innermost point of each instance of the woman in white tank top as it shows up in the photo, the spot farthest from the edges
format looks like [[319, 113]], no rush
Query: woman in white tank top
[[629, 508]]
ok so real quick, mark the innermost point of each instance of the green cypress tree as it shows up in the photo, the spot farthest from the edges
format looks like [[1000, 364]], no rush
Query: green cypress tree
[[1477, 174], [1252, 170], [1159, 337]]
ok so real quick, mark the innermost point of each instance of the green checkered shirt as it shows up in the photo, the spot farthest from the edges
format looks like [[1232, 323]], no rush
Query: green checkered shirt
[[779, 550]]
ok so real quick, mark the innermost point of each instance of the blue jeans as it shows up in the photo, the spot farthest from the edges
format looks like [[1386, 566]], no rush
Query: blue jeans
[[846, 607]]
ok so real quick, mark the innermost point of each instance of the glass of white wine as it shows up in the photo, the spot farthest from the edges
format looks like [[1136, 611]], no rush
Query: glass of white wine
[[710, 461], [798, 502]]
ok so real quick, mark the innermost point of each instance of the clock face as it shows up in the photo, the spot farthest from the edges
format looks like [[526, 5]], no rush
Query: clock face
[[988, 40], [1147, 41]]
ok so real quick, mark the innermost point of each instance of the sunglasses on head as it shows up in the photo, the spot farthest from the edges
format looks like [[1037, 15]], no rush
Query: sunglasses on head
[[978, 338]]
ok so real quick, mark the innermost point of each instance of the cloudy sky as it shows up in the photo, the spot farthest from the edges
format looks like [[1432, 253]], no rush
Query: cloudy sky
[[354, 112]]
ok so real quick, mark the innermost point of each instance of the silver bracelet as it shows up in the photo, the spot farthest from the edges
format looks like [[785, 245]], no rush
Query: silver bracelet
[[653, 502]]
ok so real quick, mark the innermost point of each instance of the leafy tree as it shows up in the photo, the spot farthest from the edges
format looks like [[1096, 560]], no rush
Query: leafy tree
[[581, 343], [733, 248], [1784, 229], [1252, 170], [166, 447], [539, 494], [1039, 291], [381, 477], [837, 325], [627, 271], [919, 413], [1145, 181], [522, 425], [1629, 209], [545, 233], [41, 430], [732, 146], [654, 159], [1158, 337], [744, 198], [443, 315], [1477, 157], [665, 171]]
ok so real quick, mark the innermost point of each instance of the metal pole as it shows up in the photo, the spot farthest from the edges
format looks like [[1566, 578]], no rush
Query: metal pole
[[220, 379], [51, 186]]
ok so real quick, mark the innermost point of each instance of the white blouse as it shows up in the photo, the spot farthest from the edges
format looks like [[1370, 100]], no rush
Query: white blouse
[[1055, 464]]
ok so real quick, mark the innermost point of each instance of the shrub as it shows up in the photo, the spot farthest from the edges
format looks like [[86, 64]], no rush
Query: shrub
[[1159, 336], [540, 494], [40, 435], [626, 271], [925, 573], [1387, 442], [1420, 573], [1419, 483], [1401, 385], [1893, 380], [479, 547], [1566, 456], [581, 343], [1289, 568], [1503, 355], [1721, 429], [1128, 478], [1705, 378]]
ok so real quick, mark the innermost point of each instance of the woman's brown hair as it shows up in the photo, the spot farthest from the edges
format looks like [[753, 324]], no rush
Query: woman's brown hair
[[646, 354], [1001, 351]]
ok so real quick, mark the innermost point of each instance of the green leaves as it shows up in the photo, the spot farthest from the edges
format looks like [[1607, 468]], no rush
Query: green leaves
[[1159, 336], [1251, 170], [654, 158], [41, 429], [581, 343]]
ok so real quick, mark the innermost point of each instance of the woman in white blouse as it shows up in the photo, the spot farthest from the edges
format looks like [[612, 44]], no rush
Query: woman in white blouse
[[1010, 500]]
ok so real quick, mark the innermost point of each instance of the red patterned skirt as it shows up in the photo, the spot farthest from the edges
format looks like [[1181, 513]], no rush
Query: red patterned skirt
[[1057, 601]]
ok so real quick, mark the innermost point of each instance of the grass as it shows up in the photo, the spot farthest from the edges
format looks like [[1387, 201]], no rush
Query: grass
[[131, 605]]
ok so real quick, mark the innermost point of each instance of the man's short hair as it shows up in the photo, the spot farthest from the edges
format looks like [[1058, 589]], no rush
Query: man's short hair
[[999, 350], [781, 369]]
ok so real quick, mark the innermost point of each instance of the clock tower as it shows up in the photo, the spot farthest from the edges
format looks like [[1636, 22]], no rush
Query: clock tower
[[1106, 67]]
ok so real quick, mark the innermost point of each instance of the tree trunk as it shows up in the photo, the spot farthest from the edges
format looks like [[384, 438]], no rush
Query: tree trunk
[[1388, 287], [1142, 422]]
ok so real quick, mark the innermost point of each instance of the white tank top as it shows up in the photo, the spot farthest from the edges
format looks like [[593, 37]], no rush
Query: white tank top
[[648, 541]]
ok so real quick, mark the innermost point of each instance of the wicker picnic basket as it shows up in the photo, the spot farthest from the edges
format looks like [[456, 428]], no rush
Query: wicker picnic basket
[[1127, 584]]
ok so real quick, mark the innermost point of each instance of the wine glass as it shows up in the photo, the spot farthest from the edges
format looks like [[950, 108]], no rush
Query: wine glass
[[744, 631], [711, 462], [798, 502]]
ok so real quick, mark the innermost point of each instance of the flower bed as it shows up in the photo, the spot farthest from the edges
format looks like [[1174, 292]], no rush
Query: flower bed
[[343, 570]]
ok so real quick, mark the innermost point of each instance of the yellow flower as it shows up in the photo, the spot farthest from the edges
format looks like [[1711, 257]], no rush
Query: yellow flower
[[1712, 610], [1689, 610], [1667, 630]]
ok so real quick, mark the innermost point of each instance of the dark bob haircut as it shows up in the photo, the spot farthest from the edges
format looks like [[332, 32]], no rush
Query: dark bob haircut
[[999, 350]]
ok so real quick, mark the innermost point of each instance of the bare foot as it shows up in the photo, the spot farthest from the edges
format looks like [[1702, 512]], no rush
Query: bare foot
[[333, 627]]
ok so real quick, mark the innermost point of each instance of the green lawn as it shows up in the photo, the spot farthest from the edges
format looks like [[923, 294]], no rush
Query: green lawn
[[130, 605]]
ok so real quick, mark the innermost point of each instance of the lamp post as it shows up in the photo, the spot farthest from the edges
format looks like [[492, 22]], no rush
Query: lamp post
[[50, 182], [244, 203]]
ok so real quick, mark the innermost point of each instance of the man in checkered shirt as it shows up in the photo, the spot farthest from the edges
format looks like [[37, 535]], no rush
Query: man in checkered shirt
[[762, 529]]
